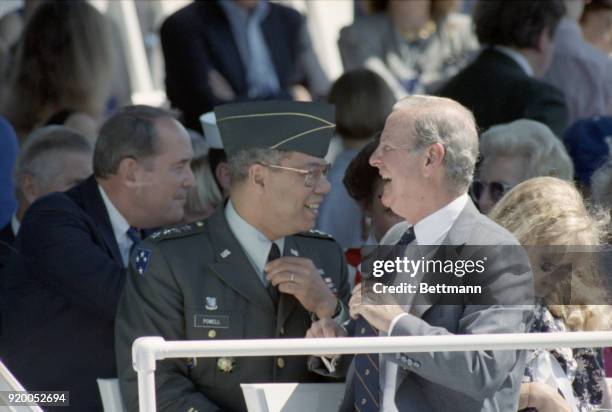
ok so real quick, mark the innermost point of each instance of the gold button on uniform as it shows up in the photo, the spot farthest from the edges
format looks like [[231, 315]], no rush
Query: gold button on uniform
[[363, 401], [280, 362], [212, 333], [367, 372]]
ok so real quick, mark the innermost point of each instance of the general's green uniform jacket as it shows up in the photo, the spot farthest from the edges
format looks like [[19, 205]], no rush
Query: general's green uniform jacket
[[194, 281]]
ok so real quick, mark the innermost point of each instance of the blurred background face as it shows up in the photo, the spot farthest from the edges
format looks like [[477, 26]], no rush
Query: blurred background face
[[166, 177], [382, 217], [293, 207], [71, 169], [597, 29], [496, 176]]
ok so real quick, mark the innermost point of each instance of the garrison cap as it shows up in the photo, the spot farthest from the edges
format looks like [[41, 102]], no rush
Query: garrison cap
[[305, 127]]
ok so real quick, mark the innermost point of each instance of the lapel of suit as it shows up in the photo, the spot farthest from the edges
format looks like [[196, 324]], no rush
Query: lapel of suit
[[220, 32], [95, 207], [456, 238], [287, 302], [232, 264]]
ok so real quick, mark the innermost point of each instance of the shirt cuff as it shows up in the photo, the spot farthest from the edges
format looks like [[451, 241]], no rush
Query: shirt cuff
[[394, 321], [343, 316]]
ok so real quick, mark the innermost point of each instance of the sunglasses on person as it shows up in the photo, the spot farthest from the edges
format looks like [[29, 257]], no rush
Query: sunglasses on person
[[496, 189]]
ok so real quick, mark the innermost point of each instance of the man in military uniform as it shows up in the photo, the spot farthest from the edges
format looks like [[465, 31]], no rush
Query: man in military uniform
[[253, 270]]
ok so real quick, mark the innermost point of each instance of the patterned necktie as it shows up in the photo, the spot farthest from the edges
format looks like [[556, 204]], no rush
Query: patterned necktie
[[135, 236], [273, 290], [366, 381], [367, 365], [407, 237]]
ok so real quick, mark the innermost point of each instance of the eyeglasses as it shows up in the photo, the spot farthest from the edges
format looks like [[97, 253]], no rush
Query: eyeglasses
[[496, 189], [311, 176]]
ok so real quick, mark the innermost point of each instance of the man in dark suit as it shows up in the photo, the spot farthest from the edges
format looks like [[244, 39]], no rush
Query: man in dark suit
[[235, 50], [503, 84], [426, 156], [59, 328], [253, 270]]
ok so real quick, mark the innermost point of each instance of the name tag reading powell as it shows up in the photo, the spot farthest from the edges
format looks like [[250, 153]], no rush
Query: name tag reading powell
[[210, 321]]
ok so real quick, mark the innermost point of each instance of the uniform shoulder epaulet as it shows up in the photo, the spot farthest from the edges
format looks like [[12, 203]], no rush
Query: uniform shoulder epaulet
[[317, 234], [177, 231]]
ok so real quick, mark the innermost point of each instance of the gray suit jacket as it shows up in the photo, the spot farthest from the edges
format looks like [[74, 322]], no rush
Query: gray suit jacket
[[467, 381], [194, 282]]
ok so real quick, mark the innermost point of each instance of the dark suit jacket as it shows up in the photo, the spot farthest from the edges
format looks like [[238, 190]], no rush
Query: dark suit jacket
[[62, 302], [7, 238], [198, 38], [198, 284], [497, 90], [485, 381]]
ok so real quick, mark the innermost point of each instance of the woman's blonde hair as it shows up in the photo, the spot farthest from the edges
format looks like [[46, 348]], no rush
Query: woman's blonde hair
[[64, 61], [546, 211], [205, 195]]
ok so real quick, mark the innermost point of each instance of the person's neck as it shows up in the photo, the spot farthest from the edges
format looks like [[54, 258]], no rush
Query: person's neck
[[436, 201], [21, 210], [252, 211], [533, 59], [116, 194]]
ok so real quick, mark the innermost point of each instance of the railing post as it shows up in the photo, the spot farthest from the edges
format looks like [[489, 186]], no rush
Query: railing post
[[143, 361]]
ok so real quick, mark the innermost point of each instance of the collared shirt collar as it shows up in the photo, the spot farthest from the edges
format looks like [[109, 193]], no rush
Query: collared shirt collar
[[432, 229], [15, 224], [118, 222], [241, 15], [518, 58], [255, 244]]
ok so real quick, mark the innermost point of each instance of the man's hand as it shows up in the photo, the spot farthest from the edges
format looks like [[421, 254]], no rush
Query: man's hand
[[220, 87], [379, 316], [325, 328], [299, 277]]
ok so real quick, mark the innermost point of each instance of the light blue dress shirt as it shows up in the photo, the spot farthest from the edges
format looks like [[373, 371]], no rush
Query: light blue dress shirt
[[246, 28]]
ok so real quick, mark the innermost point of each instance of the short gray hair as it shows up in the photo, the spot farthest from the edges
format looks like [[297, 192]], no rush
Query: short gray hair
[[544, 152], [38, 156], [240, 162], [130, 132], [444, 121]]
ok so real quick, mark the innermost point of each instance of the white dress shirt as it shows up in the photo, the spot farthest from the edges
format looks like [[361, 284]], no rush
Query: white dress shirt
[[15, 224], [431, 230], [254, 243], [120, 227]]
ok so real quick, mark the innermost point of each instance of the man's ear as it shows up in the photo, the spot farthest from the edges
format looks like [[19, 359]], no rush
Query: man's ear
[[435, 155], [129, 171], [29, 188], [258, 175], [223, 176]]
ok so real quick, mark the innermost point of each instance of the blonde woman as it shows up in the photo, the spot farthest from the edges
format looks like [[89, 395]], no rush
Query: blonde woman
[[546, 211], [205, 196], [64, 61]]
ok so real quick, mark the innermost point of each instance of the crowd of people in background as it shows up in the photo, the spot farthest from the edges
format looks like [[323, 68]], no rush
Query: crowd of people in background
[[506, 104]]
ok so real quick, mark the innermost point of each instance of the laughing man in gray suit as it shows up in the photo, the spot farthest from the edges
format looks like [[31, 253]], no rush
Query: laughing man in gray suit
[[426, 156]]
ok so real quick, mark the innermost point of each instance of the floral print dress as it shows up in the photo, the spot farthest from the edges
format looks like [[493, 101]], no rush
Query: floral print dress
[[582, 367]]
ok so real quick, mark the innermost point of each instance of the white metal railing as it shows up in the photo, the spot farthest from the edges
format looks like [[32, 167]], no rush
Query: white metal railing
[[147, 350]]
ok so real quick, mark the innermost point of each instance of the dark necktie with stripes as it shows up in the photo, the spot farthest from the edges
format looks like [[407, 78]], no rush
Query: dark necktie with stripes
[[273, 290], [366, 382], [135, 236]]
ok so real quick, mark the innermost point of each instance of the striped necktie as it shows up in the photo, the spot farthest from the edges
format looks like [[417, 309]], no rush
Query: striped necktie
[[135, 236], [367, 365]]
